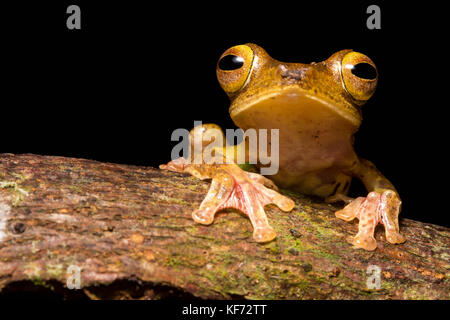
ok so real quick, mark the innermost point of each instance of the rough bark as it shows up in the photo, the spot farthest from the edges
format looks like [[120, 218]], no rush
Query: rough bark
[[130, 231]]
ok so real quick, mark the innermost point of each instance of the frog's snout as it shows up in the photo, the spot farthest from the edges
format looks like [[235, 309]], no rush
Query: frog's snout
[[292, 73]]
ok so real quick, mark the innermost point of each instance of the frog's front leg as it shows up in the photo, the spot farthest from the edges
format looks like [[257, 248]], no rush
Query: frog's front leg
[[232, 187], [382, 205]]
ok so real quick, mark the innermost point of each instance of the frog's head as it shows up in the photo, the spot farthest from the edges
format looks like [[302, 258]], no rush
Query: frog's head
[[263, 89]]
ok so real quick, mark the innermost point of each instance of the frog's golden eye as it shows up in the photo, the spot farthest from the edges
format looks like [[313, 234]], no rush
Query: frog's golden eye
[[231, 62], [234, 68], [360, 75]]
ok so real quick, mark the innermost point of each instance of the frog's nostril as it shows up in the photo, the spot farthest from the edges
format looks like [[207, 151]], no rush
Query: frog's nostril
[[292, 74]]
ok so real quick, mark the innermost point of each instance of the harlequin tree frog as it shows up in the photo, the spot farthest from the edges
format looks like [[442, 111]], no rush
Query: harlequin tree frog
[[317, 109]]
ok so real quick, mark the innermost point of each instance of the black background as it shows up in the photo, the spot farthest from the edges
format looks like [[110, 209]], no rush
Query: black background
[[116, 89]]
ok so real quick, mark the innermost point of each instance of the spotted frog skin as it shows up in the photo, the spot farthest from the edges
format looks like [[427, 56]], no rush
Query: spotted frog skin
[[317, 109]]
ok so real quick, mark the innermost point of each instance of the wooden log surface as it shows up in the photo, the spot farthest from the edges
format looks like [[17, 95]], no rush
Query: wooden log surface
[[129, 230]]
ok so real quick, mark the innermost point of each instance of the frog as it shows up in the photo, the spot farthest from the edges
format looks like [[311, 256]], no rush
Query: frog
[[317, 109]]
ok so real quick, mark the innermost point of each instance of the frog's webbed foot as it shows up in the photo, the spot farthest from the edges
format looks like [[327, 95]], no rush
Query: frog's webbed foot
[[232, 187], [376, 208]]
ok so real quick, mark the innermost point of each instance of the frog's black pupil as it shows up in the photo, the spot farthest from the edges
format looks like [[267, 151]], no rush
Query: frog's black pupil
[[231, 62], [364, 71]]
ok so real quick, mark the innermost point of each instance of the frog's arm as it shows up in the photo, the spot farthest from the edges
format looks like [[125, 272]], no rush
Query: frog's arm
[[371, 177], [382, 205], [232, 187]]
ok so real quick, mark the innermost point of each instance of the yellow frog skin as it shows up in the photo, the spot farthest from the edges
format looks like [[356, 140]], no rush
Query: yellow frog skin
[[317, 109]]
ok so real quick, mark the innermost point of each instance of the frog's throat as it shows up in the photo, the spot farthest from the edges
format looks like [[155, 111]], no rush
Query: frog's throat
[[289, 99]]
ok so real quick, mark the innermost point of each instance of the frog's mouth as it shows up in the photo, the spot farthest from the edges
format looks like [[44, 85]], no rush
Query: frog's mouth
[[295, 109]]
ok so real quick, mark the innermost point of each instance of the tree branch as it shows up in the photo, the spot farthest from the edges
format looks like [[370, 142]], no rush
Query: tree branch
[[130, 231]]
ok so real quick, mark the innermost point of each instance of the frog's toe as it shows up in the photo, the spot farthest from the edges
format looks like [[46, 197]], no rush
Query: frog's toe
[[177, 165], [364, 241], [218, 194], [203, 216], [284, 203], [262, 180], [264, 234], [350, 212], [395, 238], [339, 197], [389, 210]]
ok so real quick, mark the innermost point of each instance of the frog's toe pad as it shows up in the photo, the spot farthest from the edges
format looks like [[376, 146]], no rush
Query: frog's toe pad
[[177, 165], [365, 242], [202, 216], [264, 234], [395, 238]]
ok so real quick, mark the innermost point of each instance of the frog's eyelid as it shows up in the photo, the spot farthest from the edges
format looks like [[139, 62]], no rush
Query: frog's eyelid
[[341, 73], [254, 60]]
